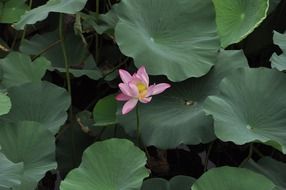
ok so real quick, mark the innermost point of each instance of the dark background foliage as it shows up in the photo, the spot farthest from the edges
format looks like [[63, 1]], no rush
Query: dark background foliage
[[258, 48]]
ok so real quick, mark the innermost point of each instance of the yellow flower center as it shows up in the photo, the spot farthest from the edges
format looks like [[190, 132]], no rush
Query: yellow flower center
[[142, 89]]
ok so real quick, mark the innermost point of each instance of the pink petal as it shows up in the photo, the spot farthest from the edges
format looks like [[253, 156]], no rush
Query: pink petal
[[145, 100], [142, 74], [129, 105], [125, 89], [125, 76], [122, 97], [133, 89], [157, 89]]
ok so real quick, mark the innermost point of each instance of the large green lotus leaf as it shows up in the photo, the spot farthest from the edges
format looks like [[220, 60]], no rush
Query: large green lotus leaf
[[272, 169], [173, 38], [279, 61], [5, 103], [104, 112], [176, 116], [251, 107], [40, 13], [18, 69], [32, 144], [10, 173], [43, 102], [237, 18], [80, 60], [12, 10], [176, 183], [226, 178], [114, 164]]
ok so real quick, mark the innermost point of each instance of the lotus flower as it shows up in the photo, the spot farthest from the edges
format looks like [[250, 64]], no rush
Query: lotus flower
[[136, 88]]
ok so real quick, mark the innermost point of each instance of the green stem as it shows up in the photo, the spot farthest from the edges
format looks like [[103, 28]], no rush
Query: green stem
[[46, 49], [97, 9], [248, 156], [116, 67], [115, 131], [68, 80], [138, 131], [100, 133], [207, 156], [138, 125], [14, 41], [257, 152], [97, 36], [109, 3], [62, 39]]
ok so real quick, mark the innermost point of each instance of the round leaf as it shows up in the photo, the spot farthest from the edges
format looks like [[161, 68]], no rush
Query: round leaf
[[155, 183], [176, 183], [176, 116], [226, 178], [237, 18], [32, 144], [270, 168], [79, 59], [40, 13], [12, 10], [18, 69], [114, 164], [104, 112], [9, 172], [43, 102], [5, 104], [279, 61], [251, 107], [173, 38]]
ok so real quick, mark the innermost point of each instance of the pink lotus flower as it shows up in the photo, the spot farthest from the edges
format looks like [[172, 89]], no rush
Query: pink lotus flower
[[136, 88]]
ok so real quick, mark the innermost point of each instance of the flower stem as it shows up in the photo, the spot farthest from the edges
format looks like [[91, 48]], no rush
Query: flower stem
[[68, 80], [138, 124], [46, 49], [257, 152], [138, 131], [248, 157], [207, 156], [97, 35], [62, 40]]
